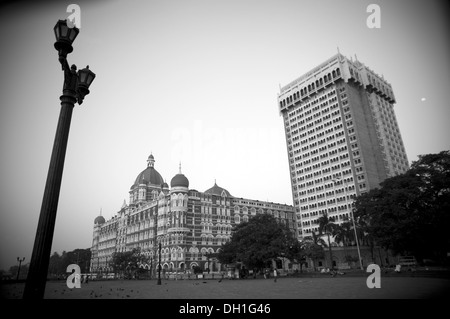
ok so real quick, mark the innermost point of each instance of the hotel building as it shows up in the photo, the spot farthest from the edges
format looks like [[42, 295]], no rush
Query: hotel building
[[190, 225]]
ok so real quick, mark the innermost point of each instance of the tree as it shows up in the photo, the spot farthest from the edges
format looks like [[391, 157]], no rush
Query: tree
[[312, 250], [197, 270], [327, 227], [409, 213], [257, 242], [313, 247], [344, 233], [316, 239], [58, 263], [128, 261], [54, 267]]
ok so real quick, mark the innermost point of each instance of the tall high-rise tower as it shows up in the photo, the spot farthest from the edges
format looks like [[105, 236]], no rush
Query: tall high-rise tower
[[342, 138]]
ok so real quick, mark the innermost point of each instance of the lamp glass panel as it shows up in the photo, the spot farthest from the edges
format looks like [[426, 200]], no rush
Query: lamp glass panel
[[64, 30], [56, 29], [83, 77], [72, 34], [90, 78]]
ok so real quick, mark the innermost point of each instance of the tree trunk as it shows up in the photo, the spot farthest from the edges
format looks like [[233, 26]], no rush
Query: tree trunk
[[372, 251], [379, 254]]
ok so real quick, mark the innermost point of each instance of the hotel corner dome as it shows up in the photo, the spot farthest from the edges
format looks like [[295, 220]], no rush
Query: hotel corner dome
[[179, 180], [217, 190], [99, 220]]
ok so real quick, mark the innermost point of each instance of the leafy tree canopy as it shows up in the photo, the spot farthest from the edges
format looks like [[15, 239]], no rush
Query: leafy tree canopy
[[128, 260], [258, 241], [409, 213], [58, 263]]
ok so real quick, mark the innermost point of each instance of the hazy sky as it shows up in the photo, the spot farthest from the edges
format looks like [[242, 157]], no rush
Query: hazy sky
[[196, 82]]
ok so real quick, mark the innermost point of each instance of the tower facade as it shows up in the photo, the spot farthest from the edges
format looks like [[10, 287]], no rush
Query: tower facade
[[342, 138]]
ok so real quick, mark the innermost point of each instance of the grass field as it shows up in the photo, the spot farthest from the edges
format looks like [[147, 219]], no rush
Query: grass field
[[285, 288]]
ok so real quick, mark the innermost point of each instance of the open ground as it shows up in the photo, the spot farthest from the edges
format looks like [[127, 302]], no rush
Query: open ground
[[284, 288]]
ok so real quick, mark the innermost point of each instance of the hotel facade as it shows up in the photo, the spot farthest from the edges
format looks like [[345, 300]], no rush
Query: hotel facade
[[342, 138], [190, 225]]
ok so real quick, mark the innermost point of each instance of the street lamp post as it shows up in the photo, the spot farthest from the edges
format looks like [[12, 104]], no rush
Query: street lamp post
[[75, 88], [20, 263], [159, 265], [353, 220], [107, 268], [151, 267]]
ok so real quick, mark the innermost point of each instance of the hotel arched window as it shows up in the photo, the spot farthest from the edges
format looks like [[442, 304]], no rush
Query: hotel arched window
[[309, 87], [253, 211], [338, 71], [173, 200], [334, 73], [245, 218], [329, 77], [325, 78], [245, 210], [237, 219], [236, 209]]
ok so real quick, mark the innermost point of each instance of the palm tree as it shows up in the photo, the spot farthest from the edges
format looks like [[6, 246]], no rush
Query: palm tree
[[344, 233], [327, 227], [366, 236], [312, 246], [315, 239]]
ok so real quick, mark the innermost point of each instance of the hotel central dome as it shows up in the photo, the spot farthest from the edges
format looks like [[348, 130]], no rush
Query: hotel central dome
[[149, 175]]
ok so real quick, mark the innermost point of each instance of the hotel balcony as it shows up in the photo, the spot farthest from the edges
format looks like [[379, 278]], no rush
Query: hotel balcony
[[178, 230]]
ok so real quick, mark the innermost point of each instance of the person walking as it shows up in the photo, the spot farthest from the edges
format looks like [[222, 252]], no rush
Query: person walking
[[275, 275]]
